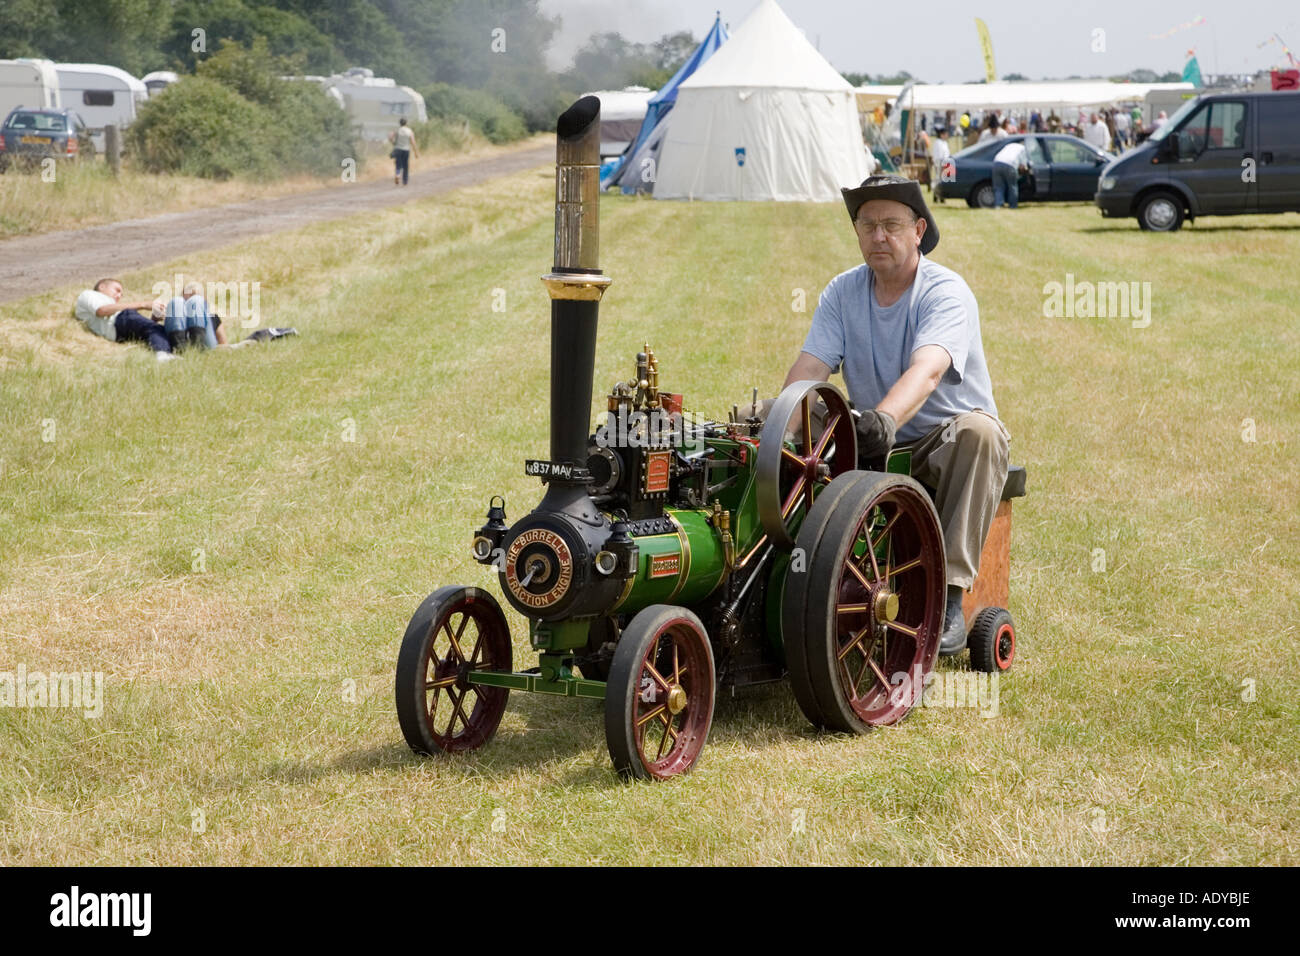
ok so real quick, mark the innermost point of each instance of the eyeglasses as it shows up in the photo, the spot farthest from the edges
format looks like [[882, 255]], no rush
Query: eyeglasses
[[892, 227]]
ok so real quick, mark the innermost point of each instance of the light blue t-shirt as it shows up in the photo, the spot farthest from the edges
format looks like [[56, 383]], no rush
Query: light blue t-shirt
[[874, 344]]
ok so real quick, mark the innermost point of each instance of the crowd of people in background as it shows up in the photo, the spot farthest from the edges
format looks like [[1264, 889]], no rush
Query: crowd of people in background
[[939, 136], [1111, 129]]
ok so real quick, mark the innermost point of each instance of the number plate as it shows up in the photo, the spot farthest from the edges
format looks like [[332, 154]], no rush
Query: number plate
[[549, 469], [34, 140]]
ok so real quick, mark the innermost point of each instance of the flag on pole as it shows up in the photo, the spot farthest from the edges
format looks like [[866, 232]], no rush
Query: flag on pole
[[1194, 22], [1192, 70], [986, 45]]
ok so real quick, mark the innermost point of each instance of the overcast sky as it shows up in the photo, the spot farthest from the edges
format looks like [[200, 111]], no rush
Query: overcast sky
[[936, 39]]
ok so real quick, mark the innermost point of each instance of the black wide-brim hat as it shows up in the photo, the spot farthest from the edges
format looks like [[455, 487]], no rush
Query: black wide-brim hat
[[899, 189]]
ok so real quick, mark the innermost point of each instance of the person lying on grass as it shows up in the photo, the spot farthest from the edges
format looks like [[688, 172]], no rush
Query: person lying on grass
[[106, 315], [187, 319]]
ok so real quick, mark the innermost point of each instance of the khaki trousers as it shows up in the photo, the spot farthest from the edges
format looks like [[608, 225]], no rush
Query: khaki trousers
[[965, 461]]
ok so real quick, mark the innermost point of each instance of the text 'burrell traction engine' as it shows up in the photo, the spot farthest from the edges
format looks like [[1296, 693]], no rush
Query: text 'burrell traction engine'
[[672, 554]]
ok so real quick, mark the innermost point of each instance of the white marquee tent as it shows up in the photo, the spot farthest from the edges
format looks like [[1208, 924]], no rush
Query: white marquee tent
[[765, 118]]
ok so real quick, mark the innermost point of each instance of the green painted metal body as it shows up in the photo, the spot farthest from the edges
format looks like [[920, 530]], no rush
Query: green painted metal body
[[697, 555], [698, 558], [695, 551], [565, 686]]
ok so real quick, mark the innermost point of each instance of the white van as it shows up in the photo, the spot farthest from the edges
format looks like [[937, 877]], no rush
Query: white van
[[376, 103], [30, 83], [101, 95], [158, 80]]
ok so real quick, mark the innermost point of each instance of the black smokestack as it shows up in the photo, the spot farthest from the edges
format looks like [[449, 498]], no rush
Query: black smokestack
[[576, 283]]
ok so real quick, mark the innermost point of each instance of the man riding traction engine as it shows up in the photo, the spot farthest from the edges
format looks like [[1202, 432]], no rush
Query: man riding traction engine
[[672, 554]]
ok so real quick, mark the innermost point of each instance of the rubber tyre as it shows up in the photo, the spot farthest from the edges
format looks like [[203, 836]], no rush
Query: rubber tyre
[[413, 660], [1161, 212], [817, 639], [627, 704], [992, 640], [794, 596], [982, 196]]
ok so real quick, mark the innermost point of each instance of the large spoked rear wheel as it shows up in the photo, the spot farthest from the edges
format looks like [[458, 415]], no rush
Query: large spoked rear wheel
[[794, 598], [861, 625], [659, 698], [456, 630]]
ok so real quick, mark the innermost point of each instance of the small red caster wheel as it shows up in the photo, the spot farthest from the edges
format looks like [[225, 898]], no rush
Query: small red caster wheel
[[992, 640]]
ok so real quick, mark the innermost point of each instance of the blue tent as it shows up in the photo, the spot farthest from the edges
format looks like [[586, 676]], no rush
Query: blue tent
[[661, 103]]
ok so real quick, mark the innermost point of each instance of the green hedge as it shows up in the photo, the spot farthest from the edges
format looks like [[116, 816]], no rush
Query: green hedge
[[237, 117], [485, 114], [202, 128]]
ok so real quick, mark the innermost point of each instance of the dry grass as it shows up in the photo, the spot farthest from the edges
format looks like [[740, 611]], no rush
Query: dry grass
[[258, 690], [86, 194]]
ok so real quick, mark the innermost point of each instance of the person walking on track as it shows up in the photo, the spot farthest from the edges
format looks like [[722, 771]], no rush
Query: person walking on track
[[403, 140]]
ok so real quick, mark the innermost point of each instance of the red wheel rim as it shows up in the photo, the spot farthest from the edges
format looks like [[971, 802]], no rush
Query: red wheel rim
[[1004, 646], [791, 473], [814, 463], [882, 660], [468, 636], [674, 701]]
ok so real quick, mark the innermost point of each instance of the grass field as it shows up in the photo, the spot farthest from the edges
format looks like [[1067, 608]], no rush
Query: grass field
[[205, 534]]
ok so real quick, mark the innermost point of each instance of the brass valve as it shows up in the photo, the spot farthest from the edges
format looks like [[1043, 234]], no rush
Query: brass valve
[[722, 521]]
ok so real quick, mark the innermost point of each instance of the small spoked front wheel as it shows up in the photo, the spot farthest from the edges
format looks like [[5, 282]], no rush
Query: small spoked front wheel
[[660, 694], [455, 631]]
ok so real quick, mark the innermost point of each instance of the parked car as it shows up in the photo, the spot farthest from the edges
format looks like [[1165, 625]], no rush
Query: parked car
[[1223, 154], [1064, 168], [28, 136]]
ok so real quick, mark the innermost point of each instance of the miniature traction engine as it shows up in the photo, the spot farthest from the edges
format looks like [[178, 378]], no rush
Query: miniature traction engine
[[672, 555]]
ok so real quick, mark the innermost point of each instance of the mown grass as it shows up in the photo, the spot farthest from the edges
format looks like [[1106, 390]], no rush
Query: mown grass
[[86, 193], [1151, 716]]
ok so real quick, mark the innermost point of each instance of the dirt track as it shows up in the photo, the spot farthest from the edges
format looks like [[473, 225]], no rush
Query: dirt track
[[33, 264]]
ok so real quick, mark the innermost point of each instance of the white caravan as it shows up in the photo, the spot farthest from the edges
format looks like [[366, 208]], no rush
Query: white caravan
[[158, 80], [324, 83], [30, 83], [376, 103], [101, 95]]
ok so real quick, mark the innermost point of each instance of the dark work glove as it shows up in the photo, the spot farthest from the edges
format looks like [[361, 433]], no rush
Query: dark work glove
[[875, 434]]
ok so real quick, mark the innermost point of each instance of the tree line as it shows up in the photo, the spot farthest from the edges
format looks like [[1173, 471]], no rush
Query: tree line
[[497, 47]]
